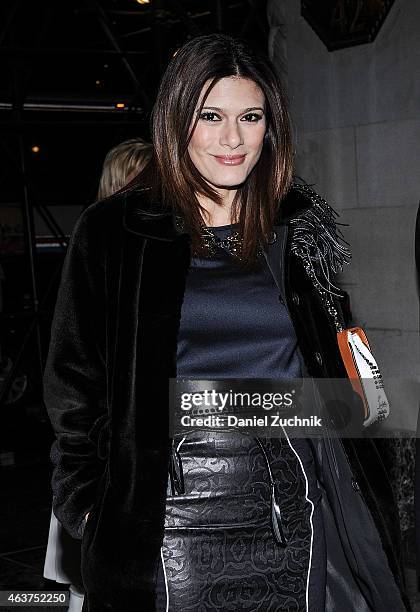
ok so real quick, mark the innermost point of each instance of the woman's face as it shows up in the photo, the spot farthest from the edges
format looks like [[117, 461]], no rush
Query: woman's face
[[228, 139]]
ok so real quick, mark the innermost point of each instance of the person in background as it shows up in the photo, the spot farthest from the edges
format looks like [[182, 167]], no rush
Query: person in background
[[122, 164]]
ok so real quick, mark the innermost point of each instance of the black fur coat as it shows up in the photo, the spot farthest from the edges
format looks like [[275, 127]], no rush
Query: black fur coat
[[112, 350]]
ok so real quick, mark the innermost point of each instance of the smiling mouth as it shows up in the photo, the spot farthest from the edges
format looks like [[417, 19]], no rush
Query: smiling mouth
[[230, 160], [230, 157]]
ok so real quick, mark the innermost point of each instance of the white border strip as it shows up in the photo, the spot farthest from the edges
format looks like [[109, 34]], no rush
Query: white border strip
[[310, 518], [166, 579]]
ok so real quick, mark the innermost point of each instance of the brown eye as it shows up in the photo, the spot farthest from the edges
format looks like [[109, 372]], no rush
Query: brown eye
[[252, 117], [211, 117]]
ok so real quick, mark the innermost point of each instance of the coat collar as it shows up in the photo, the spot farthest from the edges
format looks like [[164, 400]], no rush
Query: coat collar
[[150, 220], [154, 220]]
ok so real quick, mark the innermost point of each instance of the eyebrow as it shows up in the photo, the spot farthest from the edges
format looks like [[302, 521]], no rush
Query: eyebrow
[[245, 110]]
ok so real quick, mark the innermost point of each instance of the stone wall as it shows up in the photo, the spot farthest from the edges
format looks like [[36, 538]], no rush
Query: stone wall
[[357, 138]]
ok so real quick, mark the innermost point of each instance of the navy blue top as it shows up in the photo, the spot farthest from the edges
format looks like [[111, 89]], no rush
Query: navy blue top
[[233, 324]]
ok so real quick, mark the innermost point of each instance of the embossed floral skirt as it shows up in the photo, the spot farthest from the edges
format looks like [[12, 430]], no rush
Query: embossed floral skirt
[[243, 528]]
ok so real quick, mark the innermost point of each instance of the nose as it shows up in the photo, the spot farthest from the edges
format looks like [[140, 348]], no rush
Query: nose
[[231, 135]]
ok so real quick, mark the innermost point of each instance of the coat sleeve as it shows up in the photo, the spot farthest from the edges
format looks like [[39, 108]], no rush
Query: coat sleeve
[[75, 377]]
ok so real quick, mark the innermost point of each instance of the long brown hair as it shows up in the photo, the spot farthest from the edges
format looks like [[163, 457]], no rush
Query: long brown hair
[[211, 58]]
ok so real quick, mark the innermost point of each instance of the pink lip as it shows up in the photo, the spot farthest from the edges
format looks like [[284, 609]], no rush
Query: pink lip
[[230, 160]]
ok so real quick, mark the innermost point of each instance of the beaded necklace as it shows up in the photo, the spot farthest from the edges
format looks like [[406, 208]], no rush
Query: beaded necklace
[[232, 243]]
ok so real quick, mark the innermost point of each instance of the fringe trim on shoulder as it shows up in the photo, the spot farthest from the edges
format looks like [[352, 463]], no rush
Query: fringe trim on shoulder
[[319, 242]]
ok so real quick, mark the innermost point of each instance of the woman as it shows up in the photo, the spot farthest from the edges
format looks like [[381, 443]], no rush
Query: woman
[[151, 280]]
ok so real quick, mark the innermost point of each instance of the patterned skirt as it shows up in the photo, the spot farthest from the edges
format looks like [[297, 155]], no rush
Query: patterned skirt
[[243, 527]]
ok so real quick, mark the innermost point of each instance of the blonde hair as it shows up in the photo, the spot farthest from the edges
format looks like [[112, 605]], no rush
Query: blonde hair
[[122, 163]]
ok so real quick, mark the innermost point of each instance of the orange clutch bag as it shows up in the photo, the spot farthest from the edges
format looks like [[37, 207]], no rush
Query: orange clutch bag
[[364, 373]]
